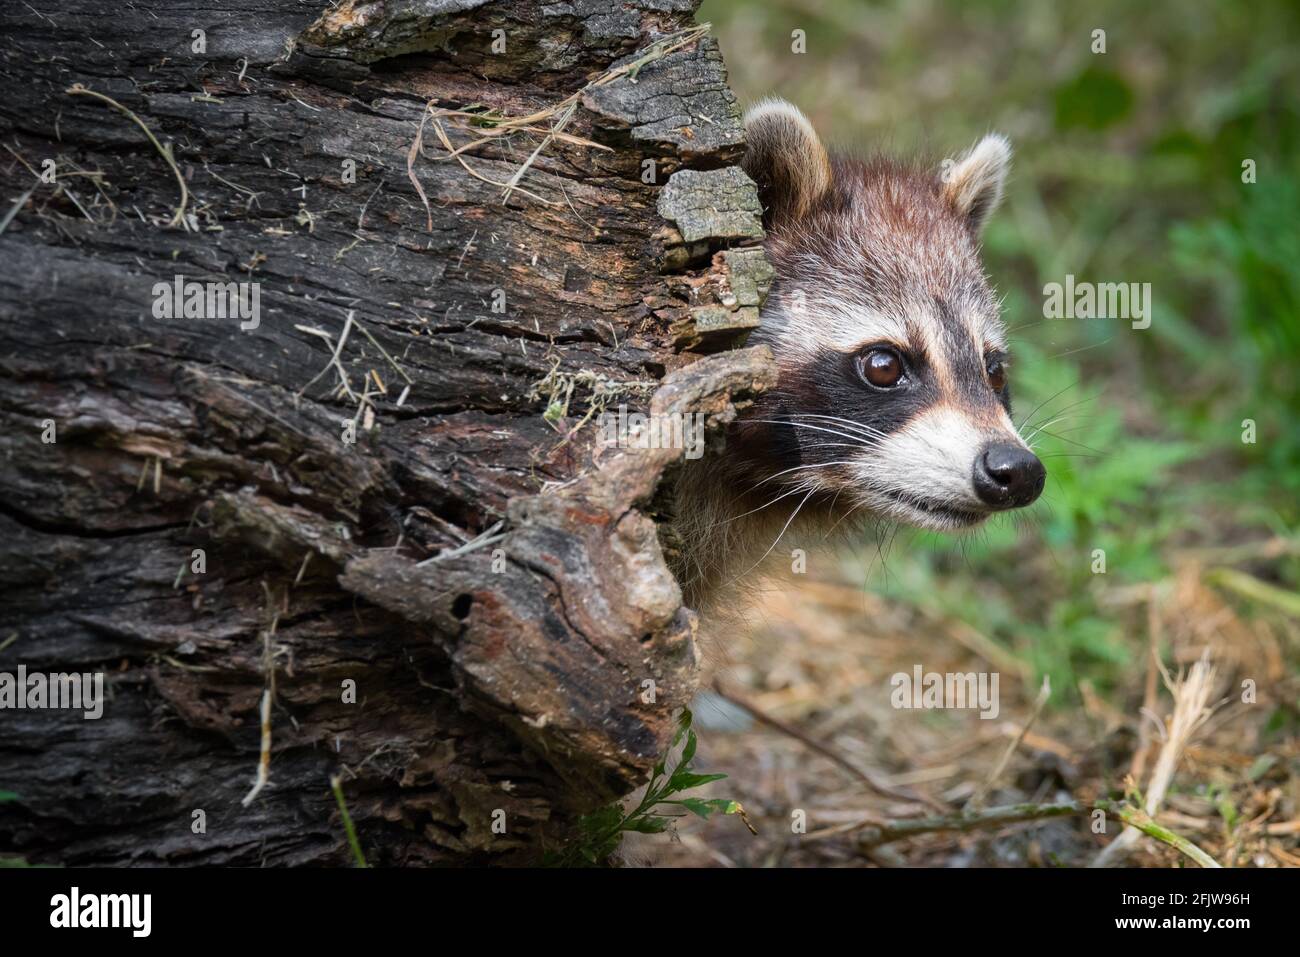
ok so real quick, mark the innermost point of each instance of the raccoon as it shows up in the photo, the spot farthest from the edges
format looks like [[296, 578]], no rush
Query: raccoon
[[893, 398]]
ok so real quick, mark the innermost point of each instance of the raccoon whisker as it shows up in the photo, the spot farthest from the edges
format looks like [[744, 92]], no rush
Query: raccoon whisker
[[795, 423], [835, 445], [856, 427], [798, 468], [1051, 398], [889, 547], [1073, 428], [1026, 325], [805, 425], [1063, 414], [866, 574], [1062, 438], [1041, 428], [835, 498], [1071, 352], [1073, 405], [853, 508], [776, 541], [847, 423], [733, 518], [900, 488]]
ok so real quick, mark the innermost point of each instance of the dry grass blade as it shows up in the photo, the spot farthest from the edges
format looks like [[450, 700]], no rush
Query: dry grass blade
[[445, 140], [1191, 710], [549, 123], [411, 154], [178, 218]]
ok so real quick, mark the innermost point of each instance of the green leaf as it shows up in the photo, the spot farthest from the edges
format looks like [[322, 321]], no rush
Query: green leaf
[[685, 780], [706, 806], [648, 825], [689, 753]]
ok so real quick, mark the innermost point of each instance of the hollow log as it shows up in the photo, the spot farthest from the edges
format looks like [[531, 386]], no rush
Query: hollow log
[[373, 490]]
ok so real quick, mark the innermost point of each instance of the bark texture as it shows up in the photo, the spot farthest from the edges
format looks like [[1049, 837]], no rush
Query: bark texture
[[416, 506]]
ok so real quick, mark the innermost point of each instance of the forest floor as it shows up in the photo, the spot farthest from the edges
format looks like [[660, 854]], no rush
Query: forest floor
[[819, 659]]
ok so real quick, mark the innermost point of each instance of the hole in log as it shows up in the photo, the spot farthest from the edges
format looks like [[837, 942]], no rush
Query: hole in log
[[461, 606]]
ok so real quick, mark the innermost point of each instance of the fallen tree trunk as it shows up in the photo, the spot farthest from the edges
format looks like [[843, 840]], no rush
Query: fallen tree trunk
[[367, 488]]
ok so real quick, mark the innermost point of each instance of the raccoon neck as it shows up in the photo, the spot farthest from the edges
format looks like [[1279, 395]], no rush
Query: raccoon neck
[[730, 532]]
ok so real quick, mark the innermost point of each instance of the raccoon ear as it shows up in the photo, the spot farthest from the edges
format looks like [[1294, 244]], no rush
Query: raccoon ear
[[786, 159], [973, 183]]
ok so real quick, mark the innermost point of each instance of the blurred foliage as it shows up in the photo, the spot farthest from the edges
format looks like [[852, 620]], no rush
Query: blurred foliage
[[1129, 168]]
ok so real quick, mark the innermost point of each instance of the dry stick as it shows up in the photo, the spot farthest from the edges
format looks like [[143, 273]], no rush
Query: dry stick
[[178, 217], [875, 833], [979, 643], [977, 799], [268, 693], [1250, 587], [264, 757], [515, 128], [864, 776], [486, 537]]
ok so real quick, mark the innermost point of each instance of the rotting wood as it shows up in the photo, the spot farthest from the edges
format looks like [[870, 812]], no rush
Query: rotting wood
[[501, 684]]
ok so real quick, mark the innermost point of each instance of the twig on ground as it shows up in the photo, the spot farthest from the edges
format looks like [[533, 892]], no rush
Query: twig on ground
[[867, 778], [875, 833]]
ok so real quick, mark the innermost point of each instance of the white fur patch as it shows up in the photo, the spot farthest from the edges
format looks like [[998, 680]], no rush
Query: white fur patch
[[919, 473]]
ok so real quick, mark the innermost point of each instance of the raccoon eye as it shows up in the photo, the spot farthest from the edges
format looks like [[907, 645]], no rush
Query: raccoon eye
[[882, 368], [997, 373]]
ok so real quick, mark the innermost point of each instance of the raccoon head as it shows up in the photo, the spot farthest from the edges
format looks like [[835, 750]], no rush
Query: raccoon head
[[894, 394]]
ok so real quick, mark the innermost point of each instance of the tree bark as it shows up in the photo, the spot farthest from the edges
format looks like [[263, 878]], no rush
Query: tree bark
[[390, 480]]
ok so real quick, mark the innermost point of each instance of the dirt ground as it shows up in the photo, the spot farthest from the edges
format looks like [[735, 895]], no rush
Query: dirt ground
[[818, 662]]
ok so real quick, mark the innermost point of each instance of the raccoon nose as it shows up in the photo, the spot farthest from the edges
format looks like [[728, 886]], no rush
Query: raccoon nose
[[1008, 476]]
